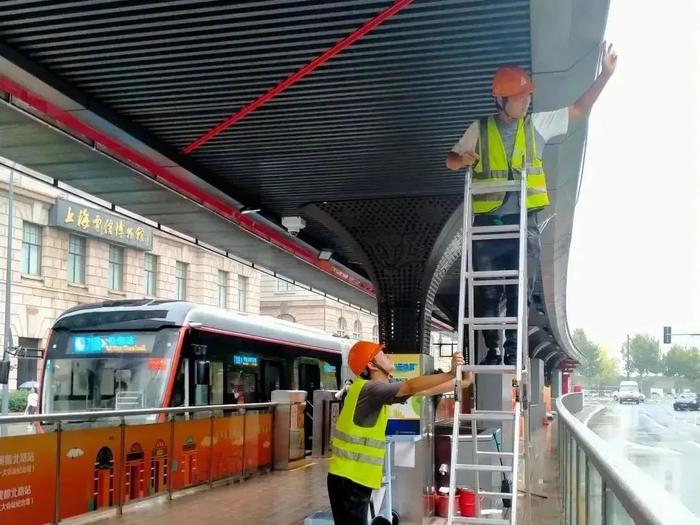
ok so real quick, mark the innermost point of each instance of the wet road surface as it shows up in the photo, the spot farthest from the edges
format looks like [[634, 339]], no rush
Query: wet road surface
[[663, 443]]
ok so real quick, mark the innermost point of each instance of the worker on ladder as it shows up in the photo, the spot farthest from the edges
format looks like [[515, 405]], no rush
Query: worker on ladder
[[355, 467], [496, 147]]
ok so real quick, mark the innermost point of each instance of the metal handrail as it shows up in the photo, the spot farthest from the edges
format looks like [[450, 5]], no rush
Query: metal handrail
[[104, 414], [638, 494]]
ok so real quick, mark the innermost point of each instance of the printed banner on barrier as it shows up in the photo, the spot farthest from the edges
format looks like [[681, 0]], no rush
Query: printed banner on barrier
[[90, 463], [27, 478]]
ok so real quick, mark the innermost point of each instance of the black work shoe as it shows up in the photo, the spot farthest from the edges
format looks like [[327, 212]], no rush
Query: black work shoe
[[509, 358], [492, 357]]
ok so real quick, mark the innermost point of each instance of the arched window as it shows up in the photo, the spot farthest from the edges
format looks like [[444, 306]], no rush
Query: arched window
[[357, 330], [287, 317], [342, 327], [375, 333]]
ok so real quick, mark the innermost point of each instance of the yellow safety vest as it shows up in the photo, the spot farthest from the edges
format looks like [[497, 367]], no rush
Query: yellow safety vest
[[358, 452], [493, 166]]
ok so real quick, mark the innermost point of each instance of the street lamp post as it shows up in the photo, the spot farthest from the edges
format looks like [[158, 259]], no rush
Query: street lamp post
[[8, 293]]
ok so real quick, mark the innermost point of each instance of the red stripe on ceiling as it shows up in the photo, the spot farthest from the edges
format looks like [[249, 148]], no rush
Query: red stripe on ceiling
[[343, 44], [178, 183]]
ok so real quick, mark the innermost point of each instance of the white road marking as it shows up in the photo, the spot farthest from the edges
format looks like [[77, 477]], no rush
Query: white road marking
[[588, 418]]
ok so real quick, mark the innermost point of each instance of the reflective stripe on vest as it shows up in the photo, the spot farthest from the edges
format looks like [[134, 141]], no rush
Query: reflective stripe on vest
[[356, 456], [493, 166], [358, 440], [358, 452]]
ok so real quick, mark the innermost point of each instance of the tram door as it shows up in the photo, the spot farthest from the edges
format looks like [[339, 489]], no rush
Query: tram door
[[272, 378], [309, 380]]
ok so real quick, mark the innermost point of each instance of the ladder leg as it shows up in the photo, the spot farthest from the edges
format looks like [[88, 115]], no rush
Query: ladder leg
[[466, 254]]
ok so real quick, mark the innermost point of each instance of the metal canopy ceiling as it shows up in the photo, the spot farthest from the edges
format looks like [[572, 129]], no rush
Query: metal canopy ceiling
[[373, 122]]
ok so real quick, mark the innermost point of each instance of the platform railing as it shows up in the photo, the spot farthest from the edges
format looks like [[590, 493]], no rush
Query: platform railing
[[600, 486], [57, 466]]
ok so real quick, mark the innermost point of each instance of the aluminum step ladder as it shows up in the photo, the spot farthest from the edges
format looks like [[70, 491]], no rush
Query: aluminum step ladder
[[472, 325]]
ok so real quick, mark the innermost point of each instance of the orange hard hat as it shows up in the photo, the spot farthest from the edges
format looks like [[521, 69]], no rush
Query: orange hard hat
[[511, 81], [361, 354]]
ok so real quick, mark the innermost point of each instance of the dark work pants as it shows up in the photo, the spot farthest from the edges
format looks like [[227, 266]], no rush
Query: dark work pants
[[349, 501], [503, 255]]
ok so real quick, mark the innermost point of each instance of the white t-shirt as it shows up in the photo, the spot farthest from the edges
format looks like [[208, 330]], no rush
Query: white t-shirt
[[33, 399], [548, 124]]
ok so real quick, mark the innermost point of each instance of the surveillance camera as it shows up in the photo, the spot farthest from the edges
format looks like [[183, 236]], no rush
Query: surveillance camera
[[293, 225]]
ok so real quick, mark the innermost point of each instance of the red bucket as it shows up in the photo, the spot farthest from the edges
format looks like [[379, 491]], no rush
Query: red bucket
[[467, 503], [442, 503]]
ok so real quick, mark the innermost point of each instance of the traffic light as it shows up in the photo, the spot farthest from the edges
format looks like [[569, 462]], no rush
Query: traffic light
[[667, 335]]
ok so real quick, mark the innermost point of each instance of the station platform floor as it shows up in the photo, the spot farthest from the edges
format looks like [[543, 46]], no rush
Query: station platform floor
[[287, 498]]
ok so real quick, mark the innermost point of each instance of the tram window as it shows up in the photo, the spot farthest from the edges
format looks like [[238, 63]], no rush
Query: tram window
[[216, 383], [329, 380], [241, 379]]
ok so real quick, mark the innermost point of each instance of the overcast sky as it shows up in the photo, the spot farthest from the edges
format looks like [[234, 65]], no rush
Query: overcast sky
[[635, 254]]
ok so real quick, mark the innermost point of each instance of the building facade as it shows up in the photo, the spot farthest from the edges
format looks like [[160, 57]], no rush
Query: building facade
[[68, 251]]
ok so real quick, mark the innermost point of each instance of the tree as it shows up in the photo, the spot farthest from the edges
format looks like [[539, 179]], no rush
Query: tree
[[645, 355], [590, 368], [608, 374], [681, 362]]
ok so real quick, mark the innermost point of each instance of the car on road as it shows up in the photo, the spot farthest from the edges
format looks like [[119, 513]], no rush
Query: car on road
[[686, 401], [629, 393]]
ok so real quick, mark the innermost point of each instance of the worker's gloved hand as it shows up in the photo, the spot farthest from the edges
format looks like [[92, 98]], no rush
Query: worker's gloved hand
[[469, 158], [457, 360]]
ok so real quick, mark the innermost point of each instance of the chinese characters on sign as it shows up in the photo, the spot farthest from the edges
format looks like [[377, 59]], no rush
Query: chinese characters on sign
[[17, 496], [98, 223]]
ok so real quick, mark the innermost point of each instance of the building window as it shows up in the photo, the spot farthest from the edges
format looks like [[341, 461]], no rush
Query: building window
[[76, 259], [222, 286], [284, 286], [375, 333], [287, 317], [357, 330], [342, 327], [180, 280], [31, 249], [242, 293], [150, 269], [116, 267], [27, 366]]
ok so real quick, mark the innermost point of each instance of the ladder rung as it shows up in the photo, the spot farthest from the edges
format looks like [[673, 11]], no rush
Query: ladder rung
[[496, 228], [496, 494], [492, 274], [481, 521], [488, 416], [480, 189], [496, 282], [495, 236], [510, 326], [476, 321], [483, 468], [494, 454], [489, 369]]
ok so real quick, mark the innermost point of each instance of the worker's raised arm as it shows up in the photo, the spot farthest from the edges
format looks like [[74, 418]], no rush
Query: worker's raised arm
[[421, 384], [584, 104], [444, 388]]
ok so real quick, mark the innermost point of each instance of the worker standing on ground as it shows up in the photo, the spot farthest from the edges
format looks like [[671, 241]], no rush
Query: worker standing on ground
[[497, 146], [356, 465]]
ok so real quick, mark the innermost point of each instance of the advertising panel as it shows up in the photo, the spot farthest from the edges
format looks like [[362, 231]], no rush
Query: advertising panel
[[27, 478]]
